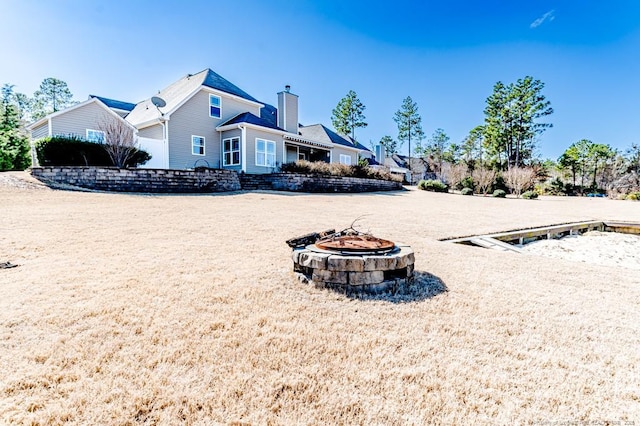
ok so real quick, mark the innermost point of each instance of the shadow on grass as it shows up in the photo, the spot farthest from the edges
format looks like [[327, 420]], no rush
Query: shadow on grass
[[424, 286]]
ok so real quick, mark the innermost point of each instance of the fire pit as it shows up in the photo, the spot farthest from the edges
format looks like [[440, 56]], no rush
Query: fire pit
[[350, 261]]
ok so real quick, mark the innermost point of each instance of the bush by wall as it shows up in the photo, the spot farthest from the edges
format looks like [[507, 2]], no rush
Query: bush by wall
[[359, 170], [74, 151], [499, 193], [530, 195], [299, 182], [433, 185], [466, 191]]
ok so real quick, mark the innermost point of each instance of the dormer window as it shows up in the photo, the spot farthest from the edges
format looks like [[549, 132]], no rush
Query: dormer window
[[215, 106]]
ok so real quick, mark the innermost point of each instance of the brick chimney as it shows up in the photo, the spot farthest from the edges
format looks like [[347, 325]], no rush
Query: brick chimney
[[288, 110]]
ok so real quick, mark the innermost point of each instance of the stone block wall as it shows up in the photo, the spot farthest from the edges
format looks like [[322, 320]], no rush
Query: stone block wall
[[203, 180], [297, 182], [141, 180]]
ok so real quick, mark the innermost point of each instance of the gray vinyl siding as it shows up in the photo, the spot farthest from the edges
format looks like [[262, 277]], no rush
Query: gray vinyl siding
[[235, 133], [193, 118], [77, 121], [252, 134], [42, 131], [335, 155], [152, 132]]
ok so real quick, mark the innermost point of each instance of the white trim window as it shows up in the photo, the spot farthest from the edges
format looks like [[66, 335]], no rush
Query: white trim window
[[197, 145], [265, 153], [231, 152], [345, 159], [96, 136], [215, 106]]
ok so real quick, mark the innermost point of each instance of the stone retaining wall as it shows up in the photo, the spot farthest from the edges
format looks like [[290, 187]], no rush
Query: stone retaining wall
[[141, 180], [203, 180], [297, 182]]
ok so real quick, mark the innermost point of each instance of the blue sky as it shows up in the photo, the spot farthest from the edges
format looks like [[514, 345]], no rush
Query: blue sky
[[446, 55]]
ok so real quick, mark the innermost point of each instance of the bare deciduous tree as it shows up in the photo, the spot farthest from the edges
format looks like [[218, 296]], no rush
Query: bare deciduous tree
[[119, 141], [455, 173], [519, 179], [484, 178]]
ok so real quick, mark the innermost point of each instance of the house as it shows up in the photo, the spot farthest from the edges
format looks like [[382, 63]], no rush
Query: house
[[205, 120], [82, 120], [413, 168]]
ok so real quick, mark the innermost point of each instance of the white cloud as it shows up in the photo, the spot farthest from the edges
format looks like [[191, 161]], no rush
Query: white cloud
[[549, 16]]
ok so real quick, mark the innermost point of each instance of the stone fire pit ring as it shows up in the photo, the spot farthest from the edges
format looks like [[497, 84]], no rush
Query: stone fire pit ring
[[349, 272]]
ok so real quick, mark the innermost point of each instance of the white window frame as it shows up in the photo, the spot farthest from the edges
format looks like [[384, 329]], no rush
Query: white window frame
[[345, 159], [266, 153], [230, 152], [100, 132], [219, 106], [193, 145]]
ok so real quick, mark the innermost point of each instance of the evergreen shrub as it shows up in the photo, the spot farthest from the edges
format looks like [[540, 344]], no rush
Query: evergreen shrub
[[433, 185], [75, 151]]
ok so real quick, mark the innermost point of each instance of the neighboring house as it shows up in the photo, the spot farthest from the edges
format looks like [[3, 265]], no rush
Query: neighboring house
[[205, 120], [414, 169], [82, 120]]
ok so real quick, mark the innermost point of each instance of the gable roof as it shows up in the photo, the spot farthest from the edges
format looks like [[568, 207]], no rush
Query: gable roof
[[112, 103], [178, 92], [247, 117], [319, 132], [94, 100]]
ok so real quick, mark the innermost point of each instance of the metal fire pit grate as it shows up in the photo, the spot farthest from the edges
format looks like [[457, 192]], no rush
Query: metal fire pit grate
[[356, 244]]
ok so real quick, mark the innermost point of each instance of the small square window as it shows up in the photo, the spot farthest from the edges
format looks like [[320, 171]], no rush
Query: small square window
[[197, 145], [96, 136], [345, 159]]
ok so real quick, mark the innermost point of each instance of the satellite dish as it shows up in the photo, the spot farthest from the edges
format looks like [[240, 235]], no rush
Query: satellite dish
[[158, 102]]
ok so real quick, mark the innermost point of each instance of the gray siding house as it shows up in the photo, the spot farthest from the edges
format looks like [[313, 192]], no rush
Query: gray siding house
[[82, 120], [205, 120]]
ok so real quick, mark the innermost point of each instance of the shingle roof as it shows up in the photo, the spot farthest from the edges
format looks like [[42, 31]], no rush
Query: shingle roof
[[176, 92], [247, 117], [269, 113], [319, 132], [215, 81], [112, 103]]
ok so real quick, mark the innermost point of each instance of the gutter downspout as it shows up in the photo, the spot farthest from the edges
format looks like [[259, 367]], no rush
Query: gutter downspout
[[165, 140], [244, 147]]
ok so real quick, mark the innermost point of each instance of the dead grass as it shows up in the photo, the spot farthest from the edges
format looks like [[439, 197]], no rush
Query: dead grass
[[136, 309]]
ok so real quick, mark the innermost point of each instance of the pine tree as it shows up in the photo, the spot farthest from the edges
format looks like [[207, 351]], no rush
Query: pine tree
[[14, 146], [390, 146], [409, 124], [512, 119], [348, 115], [52, 96]]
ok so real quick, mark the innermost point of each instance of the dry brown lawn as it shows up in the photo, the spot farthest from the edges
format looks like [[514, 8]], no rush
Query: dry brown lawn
[[147, 309]]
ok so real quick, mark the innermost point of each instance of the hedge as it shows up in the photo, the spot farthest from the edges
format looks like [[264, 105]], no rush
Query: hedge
[[74, 151]]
